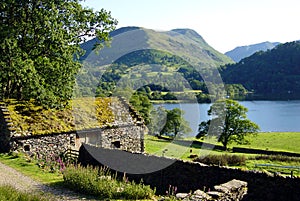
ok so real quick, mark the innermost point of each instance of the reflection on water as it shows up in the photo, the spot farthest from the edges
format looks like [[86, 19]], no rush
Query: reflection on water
[[269, 115]]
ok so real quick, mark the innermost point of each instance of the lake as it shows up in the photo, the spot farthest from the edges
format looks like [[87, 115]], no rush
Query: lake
[[276, 116]]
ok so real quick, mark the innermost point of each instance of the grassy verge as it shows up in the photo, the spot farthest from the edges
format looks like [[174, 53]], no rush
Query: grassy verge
[[101, 183], [88, 181], [30, 168]]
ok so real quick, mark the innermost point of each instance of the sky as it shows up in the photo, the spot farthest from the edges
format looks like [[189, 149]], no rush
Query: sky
[[224, 24]]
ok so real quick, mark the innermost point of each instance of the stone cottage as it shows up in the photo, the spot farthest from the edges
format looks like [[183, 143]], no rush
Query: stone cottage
[[126, 132]]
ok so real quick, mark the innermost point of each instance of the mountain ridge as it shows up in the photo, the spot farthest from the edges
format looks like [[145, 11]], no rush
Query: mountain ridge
[[241, 52], [185, 43]]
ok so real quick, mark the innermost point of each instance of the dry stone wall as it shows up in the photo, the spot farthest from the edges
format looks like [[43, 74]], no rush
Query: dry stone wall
[[188, 176], [45, 145]]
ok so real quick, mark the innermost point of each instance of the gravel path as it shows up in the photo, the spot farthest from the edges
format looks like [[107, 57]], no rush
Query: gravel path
[[9, 176]]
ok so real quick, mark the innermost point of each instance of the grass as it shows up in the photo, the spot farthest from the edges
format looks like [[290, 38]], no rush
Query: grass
[[289, 142], [275, 141], [79, 179], [103, 184], [9, 193], [173, 149], [30, 168]]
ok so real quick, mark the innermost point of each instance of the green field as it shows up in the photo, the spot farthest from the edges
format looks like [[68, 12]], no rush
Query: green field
[[288, 142], [275, 141]]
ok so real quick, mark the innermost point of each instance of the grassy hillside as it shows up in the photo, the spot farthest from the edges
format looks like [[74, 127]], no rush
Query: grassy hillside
[[83, 113], [273, 74], [184, 43]]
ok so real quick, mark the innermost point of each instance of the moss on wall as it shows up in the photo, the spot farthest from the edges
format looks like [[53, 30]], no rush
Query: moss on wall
[[30, 119]]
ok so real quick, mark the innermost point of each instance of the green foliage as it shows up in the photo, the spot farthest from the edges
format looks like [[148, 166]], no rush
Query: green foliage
[[100, 182], [236, 91], [229, 123], [222, 160], [39, 40], [142, 104], [27, 117], [158, 71], [273, 74], [175, 124], [9, 193]]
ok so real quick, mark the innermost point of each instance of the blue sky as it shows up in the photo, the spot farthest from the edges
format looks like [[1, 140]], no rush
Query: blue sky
[[224, 24]]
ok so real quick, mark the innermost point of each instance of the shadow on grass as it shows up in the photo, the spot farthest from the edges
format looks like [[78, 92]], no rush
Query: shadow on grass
[[209, 146], [190, 143]]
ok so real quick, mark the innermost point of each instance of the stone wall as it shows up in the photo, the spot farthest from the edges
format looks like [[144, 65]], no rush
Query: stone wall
[[125, 133], [45, 145], [128, 138], [188, 176]]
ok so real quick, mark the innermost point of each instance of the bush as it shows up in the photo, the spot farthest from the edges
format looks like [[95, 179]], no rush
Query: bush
[[100, 182], [9, 193], [222, 160]]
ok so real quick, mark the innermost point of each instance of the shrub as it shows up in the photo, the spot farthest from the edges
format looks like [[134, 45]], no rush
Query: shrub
[[222, 160], [100, 182]]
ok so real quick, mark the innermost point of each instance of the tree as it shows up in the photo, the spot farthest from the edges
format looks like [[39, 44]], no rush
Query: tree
[[40, 46], [142, 104], [175, 124], [229, 123]]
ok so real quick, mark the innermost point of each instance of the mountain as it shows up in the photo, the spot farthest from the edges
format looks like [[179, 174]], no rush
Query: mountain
[[239, 53], [185, 43], [162, 60], [274, 74]]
